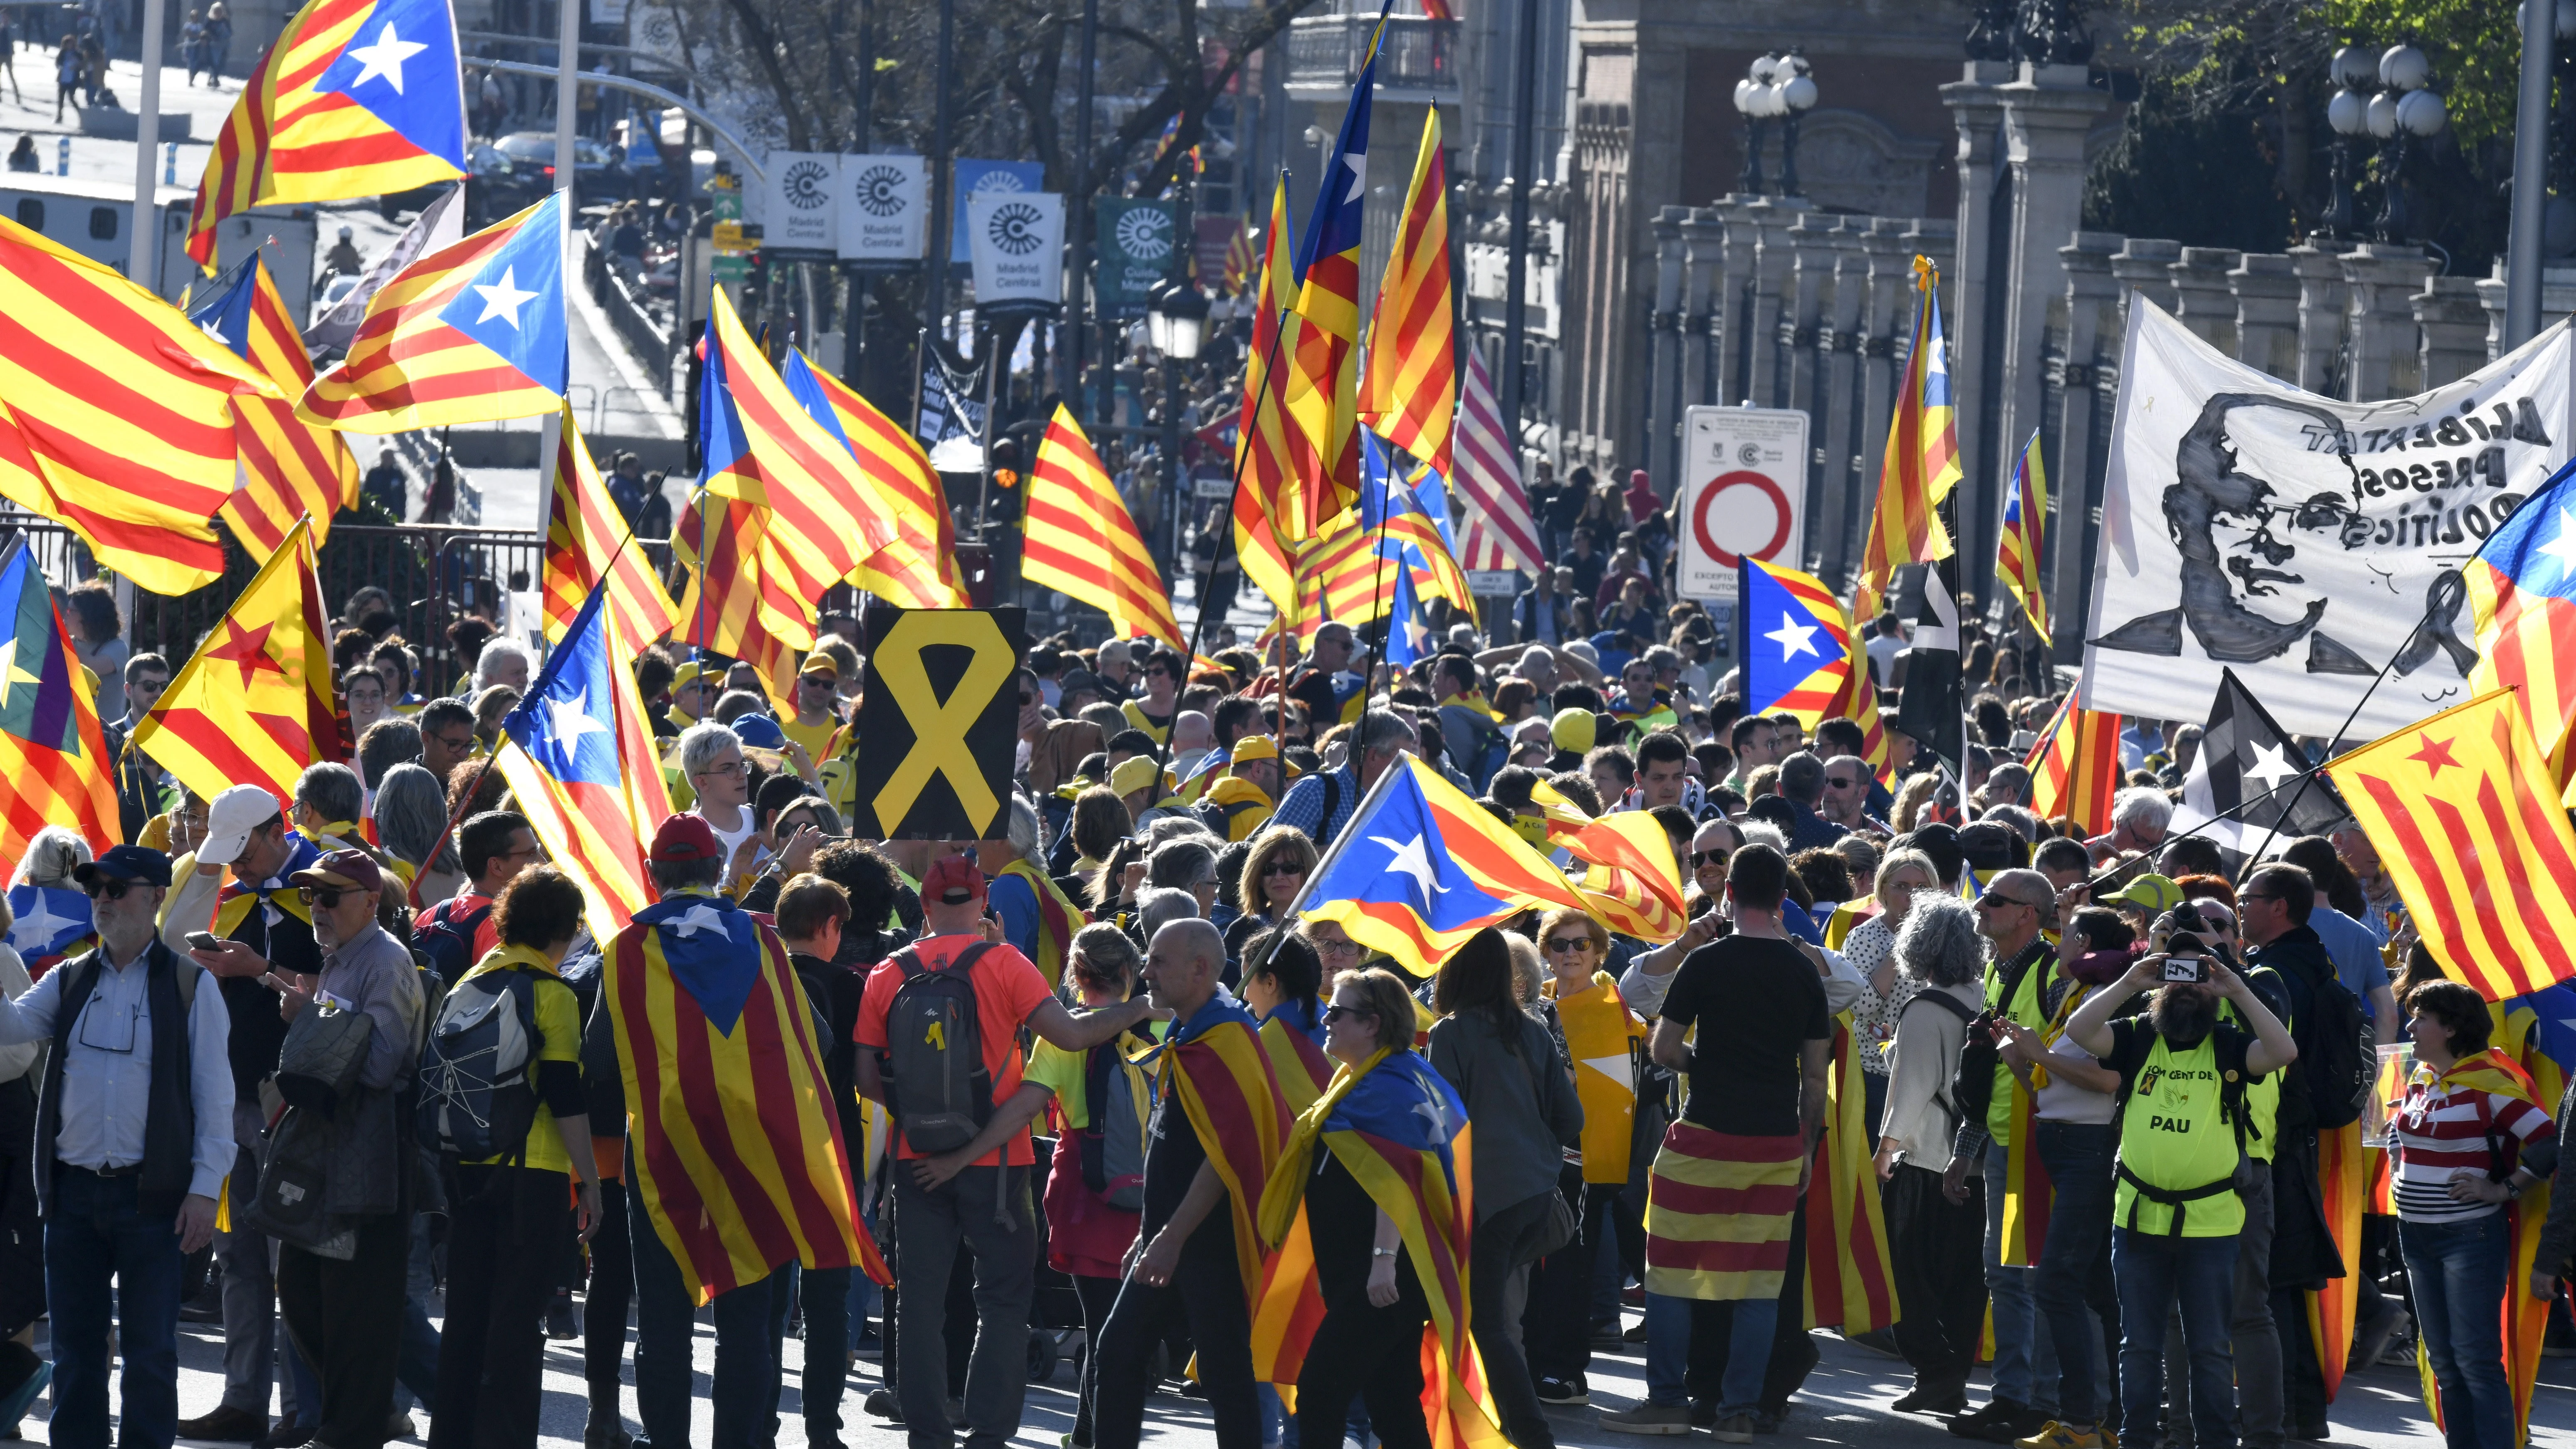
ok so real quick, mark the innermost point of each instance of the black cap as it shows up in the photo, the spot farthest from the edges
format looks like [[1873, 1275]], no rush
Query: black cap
[[126, 862]]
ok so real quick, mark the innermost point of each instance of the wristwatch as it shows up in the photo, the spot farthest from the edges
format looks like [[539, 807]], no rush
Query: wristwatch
[[1383, 1252]]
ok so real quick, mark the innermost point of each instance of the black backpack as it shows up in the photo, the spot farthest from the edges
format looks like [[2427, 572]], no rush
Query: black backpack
[[2338, 1053], [1972, 1081], [936, 1083], [446, 937], [1121, 1099]]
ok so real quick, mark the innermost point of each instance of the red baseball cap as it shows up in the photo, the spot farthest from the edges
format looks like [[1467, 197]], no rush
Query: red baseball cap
[[953, 881], [685, 838]]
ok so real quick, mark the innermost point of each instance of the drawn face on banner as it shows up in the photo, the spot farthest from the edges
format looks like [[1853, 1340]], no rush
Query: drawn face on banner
[[2301, 540]]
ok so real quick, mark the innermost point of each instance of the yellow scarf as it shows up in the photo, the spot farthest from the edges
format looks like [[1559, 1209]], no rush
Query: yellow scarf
[[1286, 1191]]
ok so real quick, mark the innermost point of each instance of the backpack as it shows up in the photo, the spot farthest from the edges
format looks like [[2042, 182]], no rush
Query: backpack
[[445, 935], [2338, 1054], [1113, 1146], [936, 1083], [1972, 1081], [476, 1099]]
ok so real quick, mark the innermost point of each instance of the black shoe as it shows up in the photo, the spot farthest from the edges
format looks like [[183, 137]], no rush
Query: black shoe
[[287, 1435], [1568, 1392], [1932, 1398], [1996, 1423], [206, 1310], [226, 1425], [606, 1431], [2316, 1433], [880, 1402], [1768, 1421], [1703, 1413], [559, 1324]]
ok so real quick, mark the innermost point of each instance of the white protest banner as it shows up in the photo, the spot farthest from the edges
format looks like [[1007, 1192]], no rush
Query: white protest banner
[[2300, 540], [799, 214], [885, 208], [1018, 242], [1743, 492]]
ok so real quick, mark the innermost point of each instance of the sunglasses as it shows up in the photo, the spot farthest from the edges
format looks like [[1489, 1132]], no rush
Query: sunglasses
[[1567, 945], [1699, 858], [1337, 1011], [325, 898], [1996, 901], [1842, 783], [1283, 867], [113, 890]]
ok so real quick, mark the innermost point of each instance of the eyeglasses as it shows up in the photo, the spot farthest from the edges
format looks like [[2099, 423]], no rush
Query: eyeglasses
[[1996, 900], [1700, 858], [325, 898], [2243, 896], [1842, 783], [729, 767], [1337, 1011], [1568, 945], [113, 890], [1283, 867], [1337, 948]]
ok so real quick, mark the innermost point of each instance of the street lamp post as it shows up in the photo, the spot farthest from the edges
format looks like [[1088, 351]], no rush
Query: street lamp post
[[1176, 320], [1794, 93], [2356, 75], [1753, 102], [2406, 109]]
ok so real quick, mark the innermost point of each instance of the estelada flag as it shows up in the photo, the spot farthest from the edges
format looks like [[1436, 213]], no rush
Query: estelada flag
[[1922, 463], [1850, 1281], [1410, 388], [918, 569], [54, 768], [588, 544], [581, 764], [116, 414], [2522, 595], [290, 468], [2075, 767], [2018, 545], [1401, 1131], [254, 704], [1631, 881], [735, 1144], [1799, 665], [354, 98], [2464, 813], [1224, 1081]]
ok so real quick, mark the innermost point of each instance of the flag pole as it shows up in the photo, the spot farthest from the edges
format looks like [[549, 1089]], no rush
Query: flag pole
[[141, 253], [1234, 495]]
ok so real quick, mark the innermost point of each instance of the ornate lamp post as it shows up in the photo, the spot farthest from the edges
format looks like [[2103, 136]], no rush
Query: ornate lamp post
[[1794, 94], [2356, 75], [2405, 109], [1753, 103]]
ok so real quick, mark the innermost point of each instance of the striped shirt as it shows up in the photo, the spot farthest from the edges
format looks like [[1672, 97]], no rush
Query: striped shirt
[[2439, 1133]]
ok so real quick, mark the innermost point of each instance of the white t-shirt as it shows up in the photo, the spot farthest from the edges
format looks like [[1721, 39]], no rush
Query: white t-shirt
[[729, 841]]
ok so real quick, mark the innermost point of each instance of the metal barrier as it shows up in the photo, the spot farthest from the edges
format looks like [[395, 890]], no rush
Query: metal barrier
[[648, 339]]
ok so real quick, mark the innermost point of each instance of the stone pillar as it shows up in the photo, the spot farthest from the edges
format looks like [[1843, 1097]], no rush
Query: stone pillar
[[2075, 486], [1887, 310], [2381, 280], [2202, 297], [2267, 313], [2144, 267], [1663, 422], [1734, 310], [1773, 217], [2454, 329], [1837, 442], [1983, 265], [2557, 299], [2321, 307], [1704, 279], [2047, 111], [1811, 278]]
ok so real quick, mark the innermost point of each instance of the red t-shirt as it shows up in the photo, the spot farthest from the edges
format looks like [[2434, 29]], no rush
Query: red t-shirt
[[1007, 988]]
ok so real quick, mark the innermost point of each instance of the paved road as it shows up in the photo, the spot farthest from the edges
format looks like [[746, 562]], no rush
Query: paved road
[[1844, 1403]]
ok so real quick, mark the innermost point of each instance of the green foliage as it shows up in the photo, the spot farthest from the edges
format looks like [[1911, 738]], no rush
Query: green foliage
[[2198, 175], [2475, 47]]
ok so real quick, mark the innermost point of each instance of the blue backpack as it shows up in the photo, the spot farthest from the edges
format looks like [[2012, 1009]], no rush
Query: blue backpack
[[477, 1100]]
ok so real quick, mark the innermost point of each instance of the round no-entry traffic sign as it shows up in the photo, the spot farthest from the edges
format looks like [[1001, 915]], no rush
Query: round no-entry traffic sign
[[1738, 509]]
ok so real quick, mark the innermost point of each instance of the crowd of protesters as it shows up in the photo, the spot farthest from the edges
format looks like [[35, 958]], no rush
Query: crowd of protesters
[[235, 1005]]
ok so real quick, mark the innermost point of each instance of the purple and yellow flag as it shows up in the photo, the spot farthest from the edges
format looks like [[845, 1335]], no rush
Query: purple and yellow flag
[[733, 1138]]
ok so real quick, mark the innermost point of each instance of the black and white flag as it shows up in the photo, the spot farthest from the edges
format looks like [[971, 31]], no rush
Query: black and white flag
[[1931, 709], [2245, 756]]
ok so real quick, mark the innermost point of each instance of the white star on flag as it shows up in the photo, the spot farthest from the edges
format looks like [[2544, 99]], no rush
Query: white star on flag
[[384, 58], [1358, 162], [1413, 858], [503, 299], [1794, 639], [38, 930], [1434, 1109], [2561, 547], [1417, 633], [701, 918], [572, 719], [2271, 767]]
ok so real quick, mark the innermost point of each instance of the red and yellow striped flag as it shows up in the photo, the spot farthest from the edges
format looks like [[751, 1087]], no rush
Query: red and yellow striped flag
[[735, 1145], [918, 569], [311, 127], [290, 468], [1271, 516], [2020, 543], [1227, 1089], [2342, 1181], [2465, 816], [826, 518], [732, 604], [1323, 381], [1850, 1281], [1630, 881], [1411, 388], [1240, 256], [1858, 702], [2075, 767], [2522, 594], [54, 768], [587, 544], [254, 704], [1922, 461], [1340, 575], [1081, 542], [116, 414]]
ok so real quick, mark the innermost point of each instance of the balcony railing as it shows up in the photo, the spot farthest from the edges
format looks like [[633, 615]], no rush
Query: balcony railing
[[1418, 54]]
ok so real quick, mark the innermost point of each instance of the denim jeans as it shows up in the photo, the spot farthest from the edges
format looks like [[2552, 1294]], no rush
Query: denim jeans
[[2457, 1271], [2253, 1333], [2025, 1367], [97, 1233], [1748, 1351], [665, 1328], [2072, 1284], [2152, 1272]]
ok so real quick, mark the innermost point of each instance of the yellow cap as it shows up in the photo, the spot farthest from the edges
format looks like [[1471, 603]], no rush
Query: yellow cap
[[686, 674], [1134, 773], [1254, 747], [1573, 729]]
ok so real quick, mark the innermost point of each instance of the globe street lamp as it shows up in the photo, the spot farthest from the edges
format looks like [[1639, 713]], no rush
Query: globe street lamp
[[1793, 94], [1176, 319], [2406, 109], [1753, 103], [2356, 75]]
